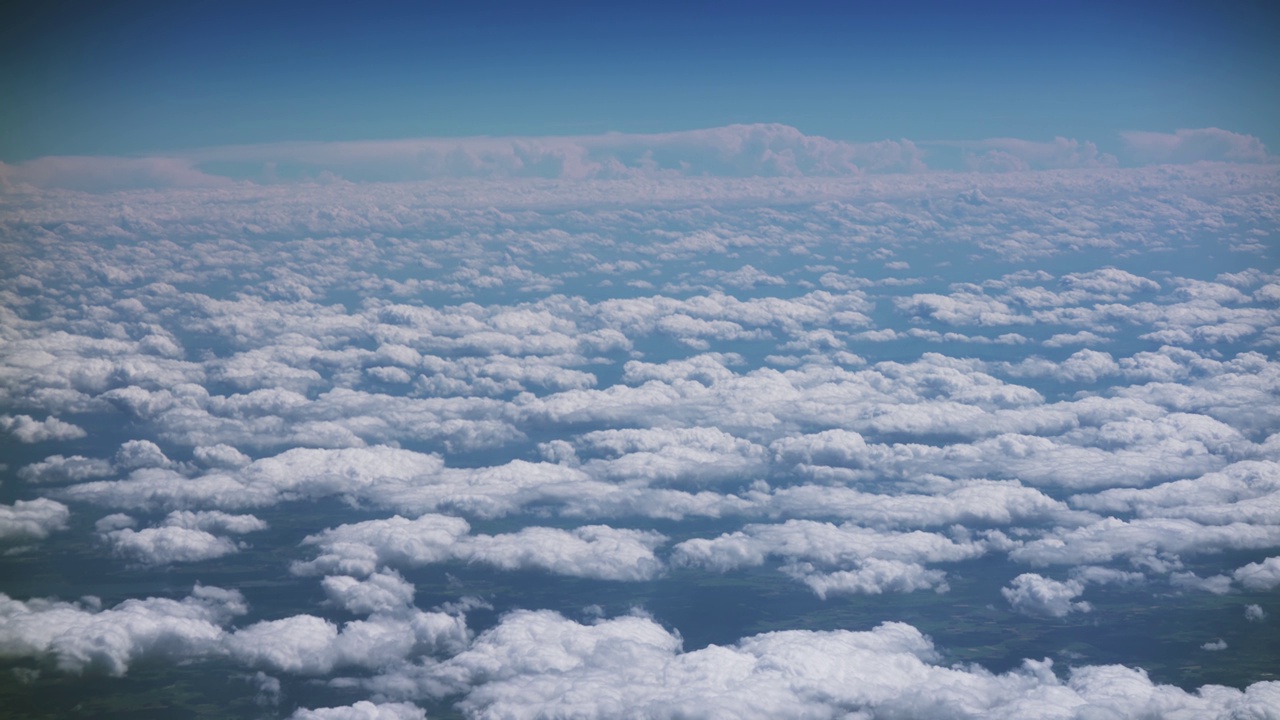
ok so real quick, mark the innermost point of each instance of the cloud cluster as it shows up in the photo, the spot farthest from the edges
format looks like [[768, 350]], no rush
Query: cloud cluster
[[538, 664], [865, 560], [86, 638], [595, 551], [183, 536]]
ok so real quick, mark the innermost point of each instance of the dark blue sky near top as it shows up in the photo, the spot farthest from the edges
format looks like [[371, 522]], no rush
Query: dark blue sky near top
[[146, 77]]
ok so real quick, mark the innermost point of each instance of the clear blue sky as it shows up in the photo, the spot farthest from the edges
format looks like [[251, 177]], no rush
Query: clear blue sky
[[145, 77]]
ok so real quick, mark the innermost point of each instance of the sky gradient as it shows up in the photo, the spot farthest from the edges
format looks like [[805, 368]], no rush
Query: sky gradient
[[126, 78]]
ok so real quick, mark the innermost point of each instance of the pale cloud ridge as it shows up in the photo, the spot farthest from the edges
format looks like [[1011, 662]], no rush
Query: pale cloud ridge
[[757, 150], [1194, 145]]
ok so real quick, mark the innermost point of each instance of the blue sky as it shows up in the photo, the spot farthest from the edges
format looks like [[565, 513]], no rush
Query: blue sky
[[146, 77]]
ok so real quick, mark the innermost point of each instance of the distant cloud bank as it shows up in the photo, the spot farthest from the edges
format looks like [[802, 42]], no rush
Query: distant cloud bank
[[735, 151]]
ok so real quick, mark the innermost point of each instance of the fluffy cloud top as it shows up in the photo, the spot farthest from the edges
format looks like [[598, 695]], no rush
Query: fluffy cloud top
[[83, 638], [596, 551], [183, 536], [1034, 594], [32, 519], [363, 710], [29, 430], [538, 664], [1260, 575]]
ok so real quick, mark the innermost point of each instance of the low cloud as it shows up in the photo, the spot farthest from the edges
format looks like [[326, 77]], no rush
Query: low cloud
[[183, 536], [32, 519], [1032, 594], [363, 710], [83, 638], [29, 430], [596, 551], [537, 663]]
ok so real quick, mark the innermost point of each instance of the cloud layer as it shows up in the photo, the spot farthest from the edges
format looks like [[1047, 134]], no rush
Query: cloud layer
[[736, 422]]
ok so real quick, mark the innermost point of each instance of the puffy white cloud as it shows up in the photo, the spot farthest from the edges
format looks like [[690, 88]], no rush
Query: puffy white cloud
[[1096, 575], [820, 542], [294, 474], [57, 468], [381, 591], [214, 520], [871, 577], [360, 548], [1109, 283], [114, 521], [1260, 575], [1254, 613], [183, 536], [32, 519], [942, 503], [833, 559], [169, 544], [1216, 584], [1106, 443], [310, 645], [1134, 451], [538, 664], [965, 308], [934, 395], [1246, 491], [29, 430], [223, 456], [1140, 538], [81, 638], [141, 454], [305, 644], [363, 710], [1033, 594], [596, 551], [1235, 391], [1082, 337], [680, 456]]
